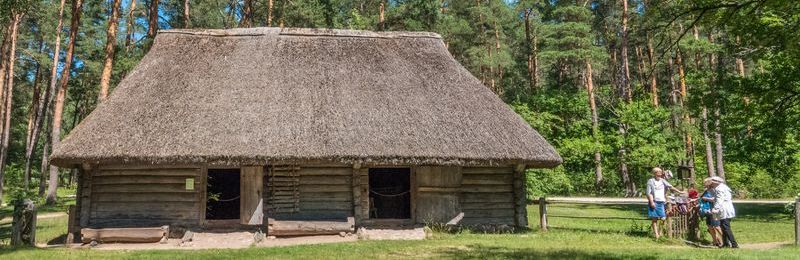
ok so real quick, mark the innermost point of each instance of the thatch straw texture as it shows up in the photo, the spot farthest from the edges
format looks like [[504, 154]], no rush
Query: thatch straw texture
[[255, 96]]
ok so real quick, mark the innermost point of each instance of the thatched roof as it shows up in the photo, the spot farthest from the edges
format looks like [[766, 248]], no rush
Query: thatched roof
[[254, 96]]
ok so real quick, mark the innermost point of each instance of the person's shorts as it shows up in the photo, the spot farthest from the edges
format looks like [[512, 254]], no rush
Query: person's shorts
[[711, 222], [658, 212]]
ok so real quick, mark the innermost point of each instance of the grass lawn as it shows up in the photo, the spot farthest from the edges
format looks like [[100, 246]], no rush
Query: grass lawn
[[568, 238]]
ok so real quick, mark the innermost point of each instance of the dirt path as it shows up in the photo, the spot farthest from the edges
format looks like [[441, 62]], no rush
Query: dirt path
[[606, 200]]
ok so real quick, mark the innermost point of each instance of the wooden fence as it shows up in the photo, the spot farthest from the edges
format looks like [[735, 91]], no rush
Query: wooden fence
[[686, 226]]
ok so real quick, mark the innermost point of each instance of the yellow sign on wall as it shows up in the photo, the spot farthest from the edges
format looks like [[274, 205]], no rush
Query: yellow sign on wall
[[189, 183]]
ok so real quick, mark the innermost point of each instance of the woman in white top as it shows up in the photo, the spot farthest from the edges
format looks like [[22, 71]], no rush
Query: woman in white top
[[657, 198]]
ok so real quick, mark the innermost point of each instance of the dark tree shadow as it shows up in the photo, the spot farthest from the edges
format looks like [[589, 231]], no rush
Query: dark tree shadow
[[491, 252]]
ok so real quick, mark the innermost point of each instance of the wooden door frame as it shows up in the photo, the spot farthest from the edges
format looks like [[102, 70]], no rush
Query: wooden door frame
[[412, 175]]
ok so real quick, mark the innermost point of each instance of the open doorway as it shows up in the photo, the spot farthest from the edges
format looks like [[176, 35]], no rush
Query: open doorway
[[223, 194], [390, 193]]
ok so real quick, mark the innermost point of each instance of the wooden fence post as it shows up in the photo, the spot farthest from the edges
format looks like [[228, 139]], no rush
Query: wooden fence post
[[797, 222], [23, 230], [543, 213]]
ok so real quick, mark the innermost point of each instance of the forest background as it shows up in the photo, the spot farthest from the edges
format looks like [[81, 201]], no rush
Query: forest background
[[701, 87]]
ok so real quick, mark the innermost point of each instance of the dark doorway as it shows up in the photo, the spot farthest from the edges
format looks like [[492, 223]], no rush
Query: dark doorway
[[390, 193], [222, 194]]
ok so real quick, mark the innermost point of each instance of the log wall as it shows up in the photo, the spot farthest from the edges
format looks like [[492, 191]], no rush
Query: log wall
[[141, 197], [325, 192], [487, 195]]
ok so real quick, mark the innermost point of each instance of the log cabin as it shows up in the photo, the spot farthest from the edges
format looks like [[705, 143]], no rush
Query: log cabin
[[252, 127]]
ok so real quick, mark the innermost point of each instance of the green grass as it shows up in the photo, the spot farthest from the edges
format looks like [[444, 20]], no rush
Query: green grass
[[568, 238]]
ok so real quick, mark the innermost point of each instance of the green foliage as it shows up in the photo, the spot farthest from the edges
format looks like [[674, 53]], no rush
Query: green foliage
[[542, 182]]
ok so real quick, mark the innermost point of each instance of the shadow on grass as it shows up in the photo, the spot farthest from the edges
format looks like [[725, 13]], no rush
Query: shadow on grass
[[492, 252]]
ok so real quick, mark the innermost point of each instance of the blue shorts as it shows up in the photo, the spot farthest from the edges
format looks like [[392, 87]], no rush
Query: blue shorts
[[711, 222], [658, 212]]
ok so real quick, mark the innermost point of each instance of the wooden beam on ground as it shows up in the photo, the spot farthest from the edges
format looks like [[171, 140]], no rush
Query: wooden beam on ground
[[125, 235], [301, 228]]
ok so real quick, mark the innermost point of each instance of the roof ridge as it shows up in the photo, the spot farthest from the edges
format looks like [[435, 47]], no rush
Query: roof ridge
[[308, 32]]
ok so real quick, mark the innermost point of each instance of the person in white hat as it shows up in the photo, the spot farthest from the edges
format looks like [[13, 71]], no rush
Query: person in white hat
[[723, 210]]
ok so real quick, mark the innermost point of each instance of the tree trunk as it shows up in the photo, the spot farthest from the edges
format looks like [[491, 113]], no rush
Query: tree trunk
[[9, 97], [58, 109], [187, 21], [270, 6], [130, 28], [709, 151], [111, 42], [247, 14], [152, 25], [44, 104], [653, 74], [598, 169], [33, 115], [533, 60], [45, 156], [688, 144], [626, 74], [381, 18], [713, 60]]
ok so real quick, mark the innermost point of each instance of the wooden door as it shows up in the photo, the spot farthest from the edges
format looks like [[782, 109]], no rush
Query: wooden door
[[437, 199], [252, 203]]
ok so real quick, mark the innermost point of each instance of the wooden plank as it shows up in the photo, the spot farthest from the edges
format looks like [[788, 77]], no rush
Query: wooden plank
[[86, 197], [145, 197], [144, 179], [439, 189], [150, 172], [490, 213], [251, 204], [328, 205], [138, 222], [325, 180], [521, 198], [146, 206], [478, 221], [487, 205], [488, 179], [486, 170], [326, 196], [797, 222], [324, 171], [323, 188], [297, 228], [486, 188], [487, 197], [136, 188], [438, 176], [190, 215], [125, 235], [314, 215]]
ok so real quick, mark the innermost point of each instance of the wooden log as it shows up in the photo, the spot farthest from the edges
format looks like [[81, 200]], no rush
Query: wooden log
[[23, 226], [543, 213], [73, 229], [323, 171], [300, 228], [355, 185], [125, 235], [797, 222], [520, 197], [486, 188], [251, 206], [86, 196], [486, 170], [324, 188], [193, 172]]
